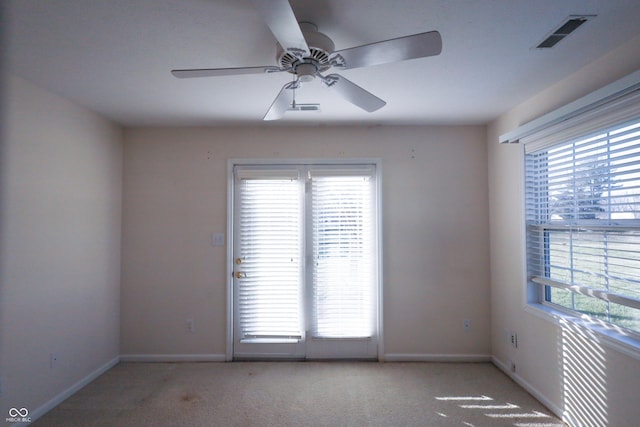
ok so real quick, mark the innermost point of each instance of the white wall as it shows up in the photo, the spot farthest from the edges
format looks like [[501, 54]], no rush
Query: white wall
[[435, 220], [61, 191], [606, 380]]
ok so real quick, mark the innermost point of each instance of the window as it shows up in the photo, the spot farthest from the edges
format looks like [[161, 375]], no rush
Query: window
[[583, 219]]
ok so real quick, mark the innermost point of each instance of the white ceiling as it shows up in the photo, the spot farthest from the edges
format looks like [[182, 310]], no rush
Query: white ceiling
[[115, 56]]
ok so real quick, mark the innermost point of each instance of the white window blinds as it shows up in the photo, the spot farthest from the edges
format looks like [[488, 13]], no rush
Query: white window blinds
[[270, 247], [620, 110], [306, 254], [583, 217], [343, 252]]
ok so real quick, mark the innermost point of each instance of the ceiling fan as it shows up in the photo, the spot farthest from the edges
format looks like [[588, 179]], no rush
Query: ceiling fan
[[307, 54]]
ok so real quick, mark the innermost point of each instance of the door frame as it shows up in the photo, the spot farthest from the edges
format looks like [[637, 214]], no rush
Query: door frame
[[230, 241]]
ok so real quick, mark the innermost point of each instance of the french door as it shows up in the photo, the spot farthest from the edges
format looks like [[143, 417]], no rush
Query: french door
[[305, 257]]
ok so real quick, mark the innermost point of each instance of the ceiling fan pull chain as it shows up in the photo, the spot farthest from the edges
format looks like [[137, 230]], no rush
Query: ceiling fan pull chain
[[293, 103]]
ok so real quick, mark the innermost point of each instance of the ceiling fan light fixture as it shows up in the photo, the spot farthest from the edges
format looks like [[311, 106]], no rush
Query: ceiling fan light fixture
[[306, 71]]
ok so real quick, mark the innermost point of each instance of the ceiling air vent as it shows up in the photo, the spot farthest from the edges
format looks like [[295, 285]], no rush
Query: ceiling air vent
[[567, 27], [304, 107]]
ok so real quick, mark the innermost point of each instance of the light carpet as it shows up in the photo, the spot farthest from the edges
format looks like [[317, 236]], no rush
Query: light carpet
[[302, 394]]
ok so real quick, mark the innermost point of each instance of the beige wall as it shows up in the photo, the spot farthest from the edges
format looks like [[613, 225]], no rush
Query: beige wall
[[61, 192], [435, 231], [542, 361]]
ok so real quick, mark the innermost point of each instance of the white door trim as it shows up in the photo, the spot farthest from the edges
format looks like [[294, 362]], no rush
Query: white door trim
[[230, 227]]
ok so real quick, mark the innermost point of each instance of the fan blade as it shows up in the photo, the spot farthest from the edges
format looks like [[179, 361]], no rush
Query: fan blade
[[353, 93], [283, 24], [400, 49], [281, 103], [213, 72]]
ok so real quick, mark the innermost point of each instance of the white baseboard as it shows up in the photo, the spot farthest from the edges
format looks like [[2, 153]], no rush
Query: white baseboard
[[60, 397], [528, 387], [412, 357], [173, 358]]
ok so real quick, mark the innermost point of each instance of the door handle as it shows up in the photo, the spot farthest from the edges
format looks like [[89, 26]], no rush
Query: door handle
[[240, 274]]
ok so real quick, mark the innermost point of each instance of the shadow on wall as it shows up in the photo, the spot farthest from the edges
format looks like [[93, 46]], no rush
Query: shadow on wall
[[584, 376]]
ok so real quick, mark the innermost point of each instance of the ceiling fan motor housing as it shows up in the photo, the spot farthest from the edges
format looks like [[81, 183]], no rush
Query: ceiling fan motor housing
[[320, 47]]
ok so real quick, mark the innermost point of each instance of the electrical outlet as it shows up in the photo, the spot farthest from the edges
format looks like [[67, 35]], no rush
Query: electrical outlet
[[514, 339], [466, 325], [190, 326]]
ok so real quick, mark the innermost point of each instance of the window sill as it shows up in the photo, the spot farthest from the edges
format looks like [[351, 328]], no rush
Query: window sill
[[606, 335]]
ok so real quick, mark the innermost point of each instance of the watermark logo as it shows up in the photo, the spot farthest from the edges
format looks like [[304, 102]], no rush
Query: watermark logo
[[18, 415]]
